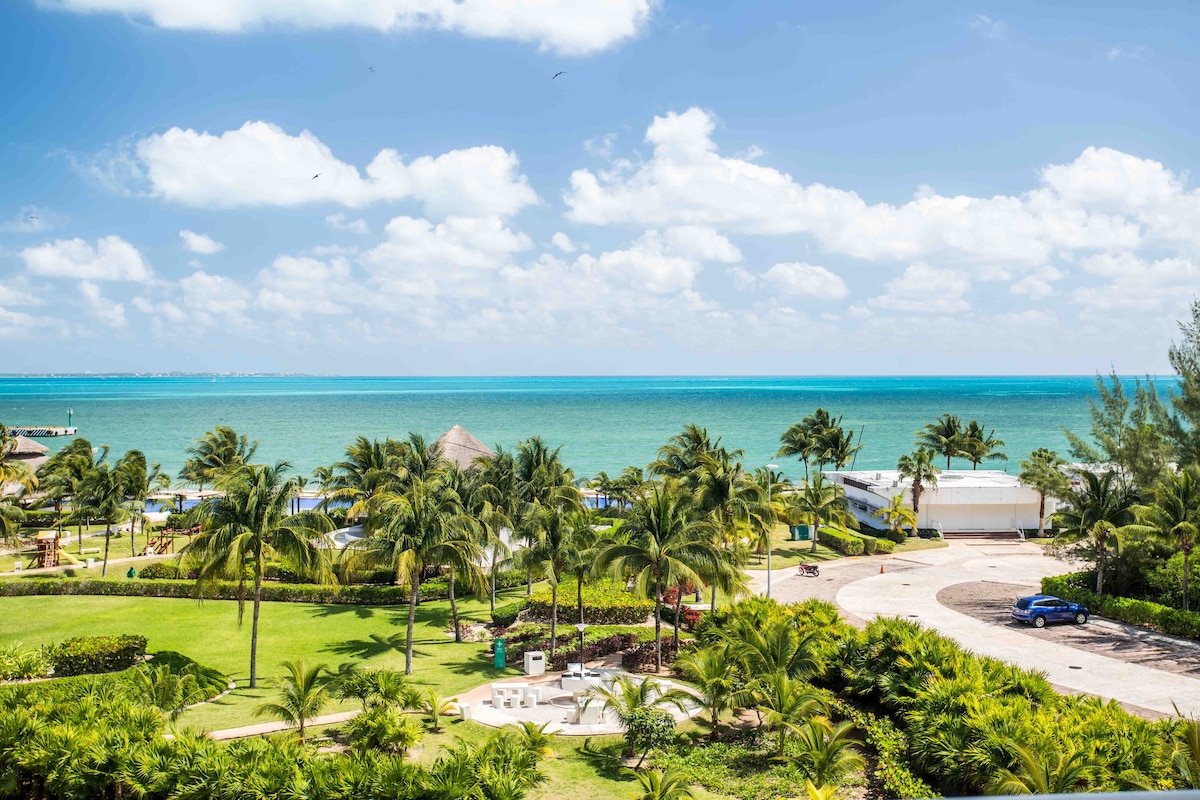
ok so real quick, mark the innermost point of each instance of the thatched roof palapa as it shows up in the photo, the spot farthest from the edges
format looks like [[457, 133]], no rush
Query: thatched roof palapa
[[28, 448], [459, 447]]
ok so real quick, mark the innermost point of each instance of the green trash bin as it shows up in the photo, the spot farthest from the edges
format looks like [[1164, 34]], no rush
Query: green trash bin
[[499, 660], [801, 533]]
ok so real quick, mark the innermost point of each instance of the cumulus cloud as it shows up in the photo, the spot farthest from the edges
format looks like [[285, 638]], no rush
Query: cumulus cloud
[[1104, 200], [923, 289], [200, 243], [572, 27], [340, 222], [800, 279], [296, 287], [107, 311], [563, 242], [989, 27], [260, 164], [110, 259]]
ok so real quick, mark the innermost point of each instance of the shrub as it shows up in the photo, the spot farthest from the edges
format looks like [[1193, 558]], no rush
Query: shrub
[[600, 648], [891, 772], [1124, 609], [885, 547], [40, 519], [507, 614], [178, 521], [605, 602], [649, 729], [17, 664], [158, 570], [870, 543], [847, 544], [641, 658], [384, 728], [86, 655]]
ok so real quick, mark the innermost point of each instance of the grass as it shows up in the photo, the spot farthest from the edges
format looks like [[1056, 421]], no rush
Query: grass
[[913, 544], [786, 553], [93, 545], [208, 632]]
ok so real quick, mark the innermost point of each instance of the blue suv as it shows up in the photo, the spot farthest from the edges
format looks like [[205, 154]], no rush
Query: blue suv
[[1038, 609]]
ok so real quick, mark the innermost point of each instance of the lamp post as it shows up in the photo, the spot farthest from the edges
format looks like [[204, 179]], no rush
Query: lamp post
[[770, 524], [581, 627]]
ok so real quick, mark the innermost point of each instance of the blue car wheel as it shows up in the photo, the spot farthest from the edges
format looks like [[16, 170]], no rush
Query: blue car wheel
[[1080, 618], [1039, 621]]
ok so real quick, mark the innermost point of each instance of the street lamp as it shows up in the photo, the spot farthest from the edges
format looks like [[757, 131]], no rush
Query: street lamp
[[770, 522], [581, 627]]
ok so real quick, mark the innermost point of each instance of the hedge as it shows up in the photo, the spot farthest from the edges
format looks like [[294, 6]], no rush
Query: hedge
[[604, 603], [592, 650], [891, 747], [641, 658], [873, 545], [40, 519], [85, 655], [847, 544], [1123, 609], [505, 615]]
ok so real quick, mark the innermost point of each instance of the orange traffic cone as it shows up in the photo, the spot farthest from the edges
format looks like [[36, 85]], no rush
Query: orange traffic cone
[[881, 569]]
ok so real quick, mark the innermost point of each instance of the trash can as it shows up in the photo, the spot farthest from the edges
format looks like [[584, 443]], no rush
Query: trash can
[[464, 712], [801, 533], [535, 662], [499, 660], [91, 562]]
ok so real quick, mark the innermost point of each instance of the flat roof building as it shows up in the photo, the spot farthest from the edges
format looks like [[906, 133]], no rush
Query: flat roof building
[[963, 501]]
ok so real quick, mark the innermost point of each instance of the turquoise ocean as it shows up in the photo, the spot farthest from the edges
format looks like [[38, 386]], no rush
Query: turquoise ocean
[[602, 423]]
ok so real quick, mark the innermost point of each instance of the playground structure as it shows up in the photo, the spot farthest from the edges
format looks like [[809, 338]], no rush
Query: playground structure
[[49, 552], [165, 541]]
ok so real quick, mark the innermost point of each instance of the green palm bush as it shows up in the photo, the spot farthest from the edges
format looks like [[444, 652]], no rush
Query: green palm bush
[[303, 695]]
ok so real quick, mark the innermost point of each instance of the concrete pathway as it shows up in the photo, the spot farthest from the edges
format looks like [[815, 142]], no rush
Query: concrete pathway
[[265, 728], [912, 593]]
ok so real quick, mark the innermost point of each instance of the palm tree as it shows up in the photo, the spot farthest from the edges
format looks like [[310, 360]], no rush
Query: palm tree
[[628, 694], [712, 671], [100, 497], [367, 471], [679, 457], [63, 476], [978, 445], [944, 437], [797, 441], [170, 692], [140, 481], [217, 451], [542, 481], [826, 751], [245, 526], [897, 516], [303, 695], [534, 738], [819, 501], [1041, 471], [657, 784], [1101, 499], [1174, 516], [669, 542], [920, 469], [12, 470], [1064, 771], [437, 707], [837, 446], [784, 703], [733, 500], [420, 527]]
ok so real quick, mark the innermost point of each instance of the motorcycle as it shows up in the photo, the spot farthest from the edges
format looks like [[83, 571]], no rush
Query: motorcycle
[[809, 570]]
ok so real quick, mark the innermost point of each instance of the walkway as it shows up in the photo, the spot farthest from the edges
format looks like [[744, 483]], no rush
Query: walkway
[[910, 588]]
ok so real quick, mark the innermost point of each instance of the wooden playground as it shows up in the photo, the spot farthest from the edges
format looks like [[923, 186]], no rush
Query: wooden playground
[[49, 551]]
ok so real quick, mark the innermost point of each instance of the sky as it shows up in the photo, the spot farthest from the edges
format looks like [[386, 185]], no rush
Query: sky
[[541, 187]]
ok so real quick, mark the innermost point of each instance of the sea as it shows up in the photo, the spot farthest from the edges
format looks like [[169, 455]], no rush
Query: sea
[[601, 423]]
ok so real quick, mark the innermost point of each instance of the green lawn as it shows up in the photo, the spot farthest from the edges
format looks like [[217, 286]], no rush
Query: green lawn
[[786, 553], [913, 544], [208, 632]]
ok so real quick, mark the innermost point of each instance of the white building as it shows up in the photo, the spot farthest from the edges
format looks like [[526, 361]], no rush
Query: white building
[[964, 501]]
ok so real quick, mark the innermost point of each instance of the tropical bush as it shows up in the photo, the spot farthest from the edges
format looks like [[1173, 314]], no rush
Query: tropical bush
[[845, 543], [1073, 587], [891, 771], [384, 728], [19, 664], [505, 615], [592, 650], [40, 519], [605, 602], [160, 570], [641, 658], [648, 729], [874, 545], [86, 655]]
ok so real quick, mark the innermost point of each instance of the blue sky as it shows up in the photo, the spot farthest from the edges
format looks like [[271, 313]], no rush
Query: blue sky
[[760, 187]]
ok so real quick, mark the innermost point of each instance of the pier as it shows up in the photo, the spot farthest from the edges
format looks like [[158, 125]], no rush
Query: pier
[[42, 431]]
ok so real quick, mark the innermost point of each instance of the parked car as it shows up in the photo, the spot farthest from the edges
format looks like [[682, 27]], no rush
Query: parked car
[[1038, 609]]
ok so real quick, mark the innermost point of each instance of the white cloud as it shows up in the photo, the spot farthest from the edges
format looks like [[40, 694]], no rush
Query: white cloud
[[923, 289], [31, 219], [562, 242], [1077, 206], [702, 244], [1162, 287], [340, 222], [600, 146], [260, 164], [988, 27], [13, 293], [200, 243], [199, 301], [1039, 285], [572, 27], [296, 287], [110, 313], [797, 278], [111, 259]]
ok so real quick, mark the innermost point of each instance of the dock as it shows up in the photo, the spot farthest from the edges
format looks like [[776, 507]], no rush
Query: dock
[[42, 431]]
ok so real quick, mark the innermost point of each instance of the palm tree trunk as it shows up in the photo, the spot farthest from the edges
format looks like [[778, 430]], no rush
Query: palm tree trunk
[[258, 571], [657, 625], [133, 537], [1102, 551], [579, 596], [816, 527], [714, 597], [107, 536], [1187, 554], [554, 617], [678, 611], [412, 618], [1041, 514], [454, 609], [492, 587]]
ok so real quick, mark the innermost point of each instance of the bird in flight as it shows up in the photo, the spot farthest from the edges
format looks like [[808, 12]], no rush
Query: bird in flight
[[314, 177], [564, 72], [371, 68], [33, 219]]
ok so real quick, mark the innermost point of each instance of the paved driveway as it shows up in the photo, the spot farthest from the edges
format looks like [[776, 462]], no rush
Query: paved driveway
[[1142, 671]]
